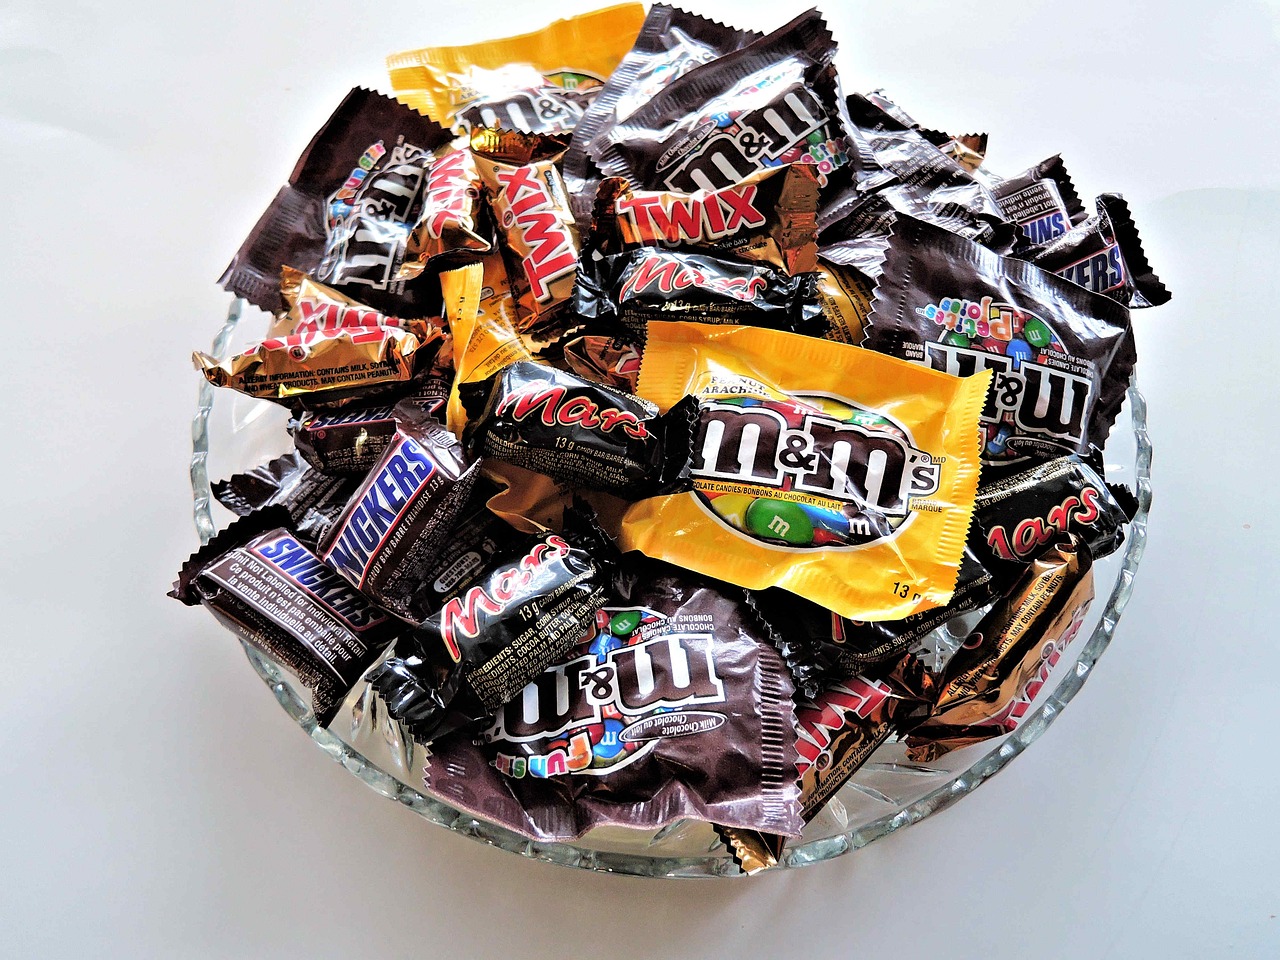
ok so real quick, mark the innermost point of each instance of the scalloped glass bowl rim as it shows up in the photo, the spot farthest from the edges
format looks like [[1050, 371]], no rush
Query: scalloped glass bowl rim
[[814, 851]]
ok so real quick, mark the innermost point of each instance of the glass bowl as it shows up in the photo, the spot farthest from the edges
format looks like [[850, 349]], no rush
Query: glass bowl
[[231, 433]]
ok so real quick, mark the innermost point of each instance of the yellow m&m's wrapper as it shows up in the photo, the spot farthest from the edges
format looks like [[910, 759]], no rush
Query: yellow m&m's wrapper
[[842, 475]]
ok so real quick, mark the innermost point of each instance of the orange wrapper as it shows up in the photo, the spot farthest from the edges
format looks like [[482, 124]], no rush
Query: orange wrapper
[[840, 474]]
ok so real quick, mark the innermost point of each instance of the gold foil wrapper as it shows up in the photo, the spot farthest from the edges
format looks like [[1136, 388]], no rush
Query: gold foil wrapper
[[968, 150], [450, 220], [989, 684], [316, 308], [768, 217], [327, 369], [535, 225], [845, 296]]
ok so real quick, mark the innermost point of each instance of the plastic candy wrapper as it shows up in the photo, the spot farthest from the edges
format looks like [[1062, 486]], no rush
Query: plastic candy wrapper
[[535, 597], [652, 285], [844, 293], [400, 515], [824, 469], [261, 582], [989, 684], [578, 432], [769, 217], [670, 706], [344, 216], [901, 172], [1061, 356], [351, 441], [1041, 200], [671, 42], [774, 101], [329, 369], [538, 82], [450, 224], [1104, 254], [314, 499], [535, 225]]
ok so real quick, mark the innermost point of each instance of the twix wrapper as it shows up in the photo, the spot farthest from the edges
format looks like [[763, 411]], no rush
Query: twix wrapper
[[315, 308], [769, 217], [450, 223], [989, 684], [328, 368], [531, 209], [818, 468]]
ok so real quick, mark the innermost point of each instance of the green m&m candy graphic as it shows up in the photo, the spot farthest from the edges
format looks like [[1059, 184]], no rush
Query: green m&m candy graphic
[[624, 623], [1037, 333], [779, 520]]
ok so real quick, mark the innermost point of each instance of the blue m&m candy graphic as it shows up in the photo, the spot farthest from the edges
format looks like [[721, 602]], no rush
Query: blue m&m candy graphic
[[1019, 350], [609, 746]]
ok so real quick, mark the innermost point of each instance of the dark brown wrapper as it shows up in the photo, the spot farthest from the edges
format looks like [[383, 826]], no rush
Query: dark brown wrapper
[[671, 42], [775, 100], [345, 214], [990, 682], [675, 709], [351, 441], [768, 217], [261, 582], [1042, 201], [312, 498], [395, 522]]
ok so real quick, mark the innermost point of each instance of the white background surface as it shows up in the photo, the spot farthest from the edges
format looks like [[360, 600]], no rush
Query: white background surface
[[155, 802]]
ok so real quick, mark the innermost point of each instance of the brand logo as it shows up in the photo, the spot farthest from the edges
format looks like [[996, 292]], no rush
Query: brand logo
[[299, 344], [366, 222], [404, 470], [984, 319], [638, 694], [305, 569], [1008, 718], [532, 212], [823, 456], [717, 155], [1039, 399], [1100, 272], [557, 406], [668, 275], [1044, 229], [461, 616], [1031, 534], [450, 194], [368, 160], [699, 218], [818, 722]]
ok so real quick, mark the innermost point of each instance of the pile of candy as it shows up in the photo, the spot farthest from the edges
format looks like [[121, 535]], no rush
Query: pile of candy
[[651, 411]]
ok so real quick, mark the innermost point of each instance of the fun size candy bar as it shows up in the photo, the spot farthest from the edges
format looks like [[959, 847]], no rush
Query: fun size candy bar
[[1061, 356], [1042, 201], [535, 225], [351, 441], [844, 293], [772, 102], [273, 592], [669, 706], [769, 217], [538, 82], [312, 498], [535, 598], [346, 212], [806, 448], [329, 368], [450, 224], [397, 518], [1104, 254], [650, 284], [988, 686], [576, 431]]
